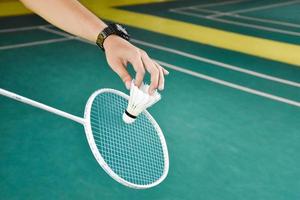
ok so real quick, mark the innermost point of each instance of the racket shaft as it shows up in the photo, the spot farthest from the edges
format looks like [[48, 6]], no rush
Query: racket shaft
[[40, 105]]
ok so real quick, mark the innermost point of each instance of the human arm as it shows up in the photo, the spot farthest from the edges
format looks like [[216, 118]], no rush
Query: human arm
[[74, 18]]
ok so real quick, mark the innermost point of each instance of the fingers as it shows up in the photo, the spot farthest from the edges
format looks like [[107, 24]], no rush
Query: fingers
[[162, 73], [120, 69], [119, 52], [166, 72], [141, 62], [140, 71], [161, 82], [153, 70]]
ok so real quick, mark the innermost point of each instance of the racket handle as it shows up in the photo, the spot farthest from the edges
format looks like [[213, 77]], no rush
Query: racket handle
[[40, 105]]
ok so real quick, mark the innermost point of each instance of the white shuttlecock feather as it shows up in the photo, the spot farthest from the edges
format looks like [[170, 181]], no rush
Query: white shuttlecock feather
[[139, 100]]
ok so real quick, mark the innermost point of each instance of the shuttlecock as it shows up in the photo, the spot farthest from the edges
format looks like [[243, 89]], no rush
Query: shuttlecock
[[139, 100]]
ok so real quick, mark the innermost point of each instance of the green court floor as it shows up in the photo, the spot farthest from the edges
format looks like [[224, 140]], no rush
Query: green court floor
[[231, 120]]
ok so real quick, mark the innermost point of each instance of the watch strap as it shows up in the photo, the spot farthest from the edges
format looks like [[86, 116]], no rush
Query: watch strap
[[111, 29]]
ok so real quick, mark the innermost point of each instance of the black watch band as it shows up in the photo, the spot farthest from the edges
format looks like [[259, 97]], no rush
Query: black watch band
[[112, 29]]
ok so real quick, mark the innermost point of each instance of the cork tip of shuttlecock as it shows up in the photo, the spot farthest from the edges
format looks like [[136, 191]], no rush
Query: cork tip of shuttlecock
[[127, 119]]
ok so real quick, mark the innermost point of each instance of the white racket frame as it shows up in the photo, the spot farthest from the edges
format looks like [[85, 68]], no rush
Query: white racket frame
[[88, 131]]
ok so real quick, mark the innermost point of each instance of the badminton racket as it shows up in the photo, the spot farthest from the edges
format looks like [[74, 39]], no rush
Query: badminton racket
[[134, 154]]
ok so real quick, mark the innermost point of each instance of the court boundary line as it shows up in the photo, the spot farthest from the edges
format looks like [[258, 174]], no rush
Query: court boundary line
[[229, 84], [219, 81], [35, 43], [259, 8], [177, 52], [267, 21], [215, 4], [24, 28], [225, 21], [218, 63]]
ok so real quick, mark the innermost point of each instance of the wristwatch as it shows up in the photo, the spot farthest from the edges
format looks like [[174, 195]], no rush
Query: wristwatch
[[112, 29]]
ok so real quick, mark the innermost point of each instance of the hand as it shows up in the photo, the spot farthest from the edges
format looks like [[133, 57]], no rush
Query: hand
[[120, 52]]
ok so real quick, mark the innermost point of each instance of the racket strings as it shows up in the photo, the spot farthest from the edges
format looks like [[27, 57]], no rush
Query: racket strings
[[133, 151]]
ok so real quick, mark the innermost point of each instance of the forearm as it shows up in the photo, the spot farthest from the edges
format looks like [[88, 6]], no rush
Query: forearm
[[68, 15]]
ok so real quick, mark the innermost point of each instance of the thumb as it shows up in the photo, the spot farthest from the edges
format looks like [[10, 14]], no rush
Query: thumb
[[120, 69]]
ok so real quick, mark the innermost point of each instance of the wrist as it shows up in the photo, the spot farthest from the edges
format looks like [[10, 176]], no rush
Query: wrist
[[110, 32], [109, 41]]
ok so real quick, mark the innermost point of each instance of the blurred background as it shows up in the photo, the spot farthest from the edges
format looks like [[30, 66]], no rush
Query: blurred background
[[230, 110]]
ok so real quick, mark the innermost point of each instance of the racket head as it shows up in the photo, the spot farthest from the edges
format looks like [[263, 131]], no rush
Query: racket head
[[110, 154]]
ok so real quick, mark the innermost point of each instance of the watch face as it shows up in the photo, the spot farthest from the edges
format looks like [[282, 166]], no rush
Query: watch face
[[120, 28]]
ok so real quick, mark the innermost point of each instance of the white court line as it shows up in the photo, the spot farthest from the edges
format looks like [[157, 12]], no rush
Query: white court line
[[27, 44], [250, 18], [231, 85], [46, 27], [236, 23], [219, 81], [258, 8], [202, 10], [216, 63], [214, 4], [220, 3], [26, 28], [267, 21]]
